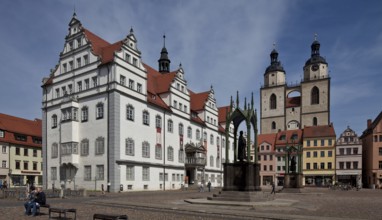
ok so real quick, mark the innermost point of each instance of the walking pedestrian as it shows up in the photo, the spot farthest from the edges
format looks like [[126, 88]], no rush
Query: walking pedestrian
[[273, 188], [209, 186]]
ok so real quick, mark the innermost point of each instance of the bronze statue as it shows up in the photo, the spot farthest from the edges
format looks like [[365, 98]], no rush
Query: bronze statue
[[242, 147], [293, 165]]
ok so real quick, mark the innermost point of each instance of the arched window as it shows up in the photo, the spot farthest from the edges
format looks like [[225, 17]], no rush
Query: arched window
[[84, 114], [170, 126], [130, 112], [158, 152], [197, 134], [129, 147], [180, 129], [315, 96], [145, 149], [158, 121], [189, 132], [273, 125], [54, 150], [100, 146], [211, 161], [54, 121], [272, 102], [146, 117], [84, 147], [170, 154], [211, 139], [315, 121]]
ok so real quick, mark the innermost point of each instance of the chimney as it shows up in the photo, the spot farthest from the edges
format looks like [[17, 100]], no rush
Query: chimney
[[368, 123]]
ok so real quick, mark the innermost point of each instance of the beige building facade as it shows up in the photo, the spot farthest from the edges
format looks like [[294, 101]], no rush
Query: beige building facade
[[372, 153]]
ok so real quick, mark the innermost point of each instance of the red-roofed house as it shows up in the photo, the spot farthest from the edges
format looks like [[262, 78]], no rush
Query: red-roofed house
[[21, 156], [267, 159], [109, 117]]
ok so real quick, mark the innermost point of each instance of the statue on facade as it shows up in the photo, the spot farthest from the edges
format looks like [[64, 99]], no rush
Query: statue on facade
[[293, 165], [242, 147]]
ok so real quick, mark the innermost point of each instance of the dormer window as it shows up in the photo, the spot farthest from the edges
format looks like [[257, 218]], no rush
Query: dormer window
[[127, 57], [2, 134], [135, 62]]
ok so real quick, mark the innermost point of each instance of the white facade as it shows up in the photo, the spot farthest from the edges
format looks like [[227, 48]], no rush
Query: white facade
[[107, 120]]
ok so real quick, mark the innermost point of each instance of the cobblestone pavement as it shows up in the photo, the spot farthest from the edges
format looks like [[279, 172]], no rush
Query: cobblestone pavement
[[313, 203]]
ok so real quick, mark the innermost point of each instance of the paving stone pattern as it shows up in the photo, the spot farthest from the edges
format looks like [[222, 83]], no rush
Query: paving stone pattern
[[313, 203]]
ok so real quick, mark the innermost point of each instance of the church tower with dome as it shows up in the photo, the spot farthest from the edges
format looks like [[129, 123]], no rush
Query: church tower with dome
[[293, 106]]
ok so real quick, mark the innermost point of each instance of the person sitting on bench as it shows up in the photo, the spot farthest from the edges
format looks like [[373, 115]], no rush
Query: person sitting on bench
[[39, 200]]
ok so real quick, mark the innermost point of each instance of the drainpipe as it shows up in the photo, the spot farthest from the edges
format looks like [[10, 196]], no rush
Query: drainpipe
[[164, 150], [108, 129]]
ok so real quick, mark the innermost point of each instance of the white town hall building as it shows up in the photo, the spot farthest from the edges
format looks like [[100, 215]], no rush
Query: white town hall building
[[109, 118]]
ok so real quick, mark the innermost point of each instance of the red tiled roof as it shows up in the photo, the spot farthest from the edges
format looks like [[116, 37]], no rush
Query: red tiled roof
[[108, 52], [319, 131], [269, 138], [222, 113], [96, 42], [198, 100], [288, 135], [14, 125], [293, 102]]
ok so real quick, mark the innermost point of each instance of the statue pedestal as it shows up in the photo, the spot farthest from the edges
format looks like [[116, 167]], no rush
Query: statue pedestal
[[293, 180], [241, 176]]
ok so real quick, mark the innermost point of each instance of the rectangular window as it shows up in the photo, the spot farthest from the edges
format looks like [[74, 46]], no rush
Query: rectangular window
[[99, 111], [53, 173], [348, 165], [375, 138], [322, 153], [161, 177], [315, 143], [322, 166], [87, 173], [130, 173], [330, 142], [26, 165], [17, 151], [122, 80], [342, 151], [17, 164], [4, 164], [355, 164], [84, 114], [265, 167], [265, 157], [315, 154], [34, 165], [307, 154], [131, 84], [139, 87], [308, 166], [127, 58], [380, 151], [70, 88], [79, 86], [348, 151], [322, 142], [87, 86], [100, 146], [355, 151], [70, 65], [100, 172], [308, 143], [57, 93], [341, 165], [330, 153], [34, 153], [329, 165], [95, 81], [86, 59], [64, 68], [135, 62], [271, 167], [315, 166], [4, 149], [78, 62], [25, 152], [146, 174]]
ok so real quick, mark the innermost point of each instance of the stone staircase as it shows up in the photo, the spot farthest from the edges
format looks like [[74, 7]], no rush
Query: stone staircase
[[242, 196]]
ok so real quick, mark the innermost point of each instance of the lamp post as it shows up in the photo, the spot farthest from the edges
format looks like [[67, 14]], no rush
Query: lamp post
[[10, 177]]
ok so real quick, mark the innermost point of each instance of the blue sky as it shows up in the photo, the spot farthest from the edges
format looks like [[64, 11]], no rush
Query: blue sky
[[222, 43]]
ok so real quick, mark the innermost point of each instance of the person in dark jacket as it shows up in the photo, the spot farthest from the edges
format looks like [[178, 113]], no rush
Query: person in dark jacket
[[40, 199]]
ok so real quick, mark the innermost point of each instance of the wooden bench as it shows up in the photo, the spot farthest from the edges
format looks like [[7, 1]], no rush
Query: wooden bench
[[47, 206], [62, 211], [109, 217]]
